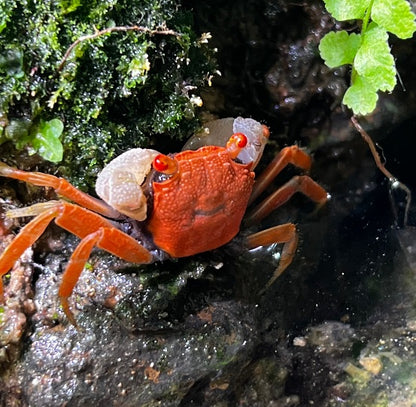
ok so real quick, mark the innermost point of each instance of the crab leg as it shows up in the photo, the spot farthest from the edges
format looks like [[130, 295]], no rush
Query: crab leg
[[27, 236], [90, 227], [288, 155], [114, 241], [62, 187], [300, 183], [285, 234]]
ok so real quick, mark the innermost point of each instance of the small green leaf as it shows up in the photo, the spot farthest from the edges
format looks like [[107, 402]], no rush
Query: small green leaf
[[6, 10], [135, 70], [138, 69], [395, 16], [343, 10], [361, 97], [339, 48], [374, 60], [46, 140], [68, 6]]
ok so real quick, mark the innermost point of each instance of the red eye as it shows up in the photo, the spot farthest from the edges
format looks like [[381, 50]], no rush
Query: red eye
[[159, 163], [235, 144], [239, 139], [166, 165]]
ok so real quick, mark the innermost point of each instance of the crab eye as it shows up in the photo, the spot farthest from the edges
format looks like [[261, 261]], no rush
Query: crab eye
[[239, 139], [236, 143], [165, 164]]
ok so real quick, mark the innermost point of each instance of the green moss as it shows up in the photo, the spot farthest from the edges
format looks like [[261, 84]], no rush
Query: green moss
[[116, 89]]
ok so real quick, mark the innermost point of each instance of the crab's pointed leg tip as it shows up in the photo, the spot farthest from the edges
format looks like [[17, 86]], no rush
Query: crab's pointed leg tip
[[68, 312]]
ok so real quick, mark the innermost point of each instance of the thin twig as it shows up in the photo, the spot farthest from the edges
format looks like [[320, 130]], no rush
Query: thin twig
[[98, 33], [394, 182]]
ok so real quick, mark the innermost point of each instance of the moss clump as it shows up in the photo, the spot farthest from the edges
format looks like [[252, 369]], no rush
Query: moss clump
[[118, 85]]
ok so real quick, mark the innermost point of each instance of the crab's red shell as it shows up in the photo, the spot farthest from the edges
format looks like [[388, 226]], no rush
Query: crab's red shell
[[201, 207]]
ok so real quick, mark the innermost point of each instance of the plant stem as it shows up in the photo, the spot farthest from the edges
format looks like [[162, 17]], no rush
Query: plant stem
[[157, 31], [394, 182], [366, 18], [364, 26]]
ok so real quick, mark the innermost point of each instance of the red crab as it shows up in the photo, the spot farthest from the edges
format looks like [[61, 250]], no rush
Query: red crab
[[157, 206]]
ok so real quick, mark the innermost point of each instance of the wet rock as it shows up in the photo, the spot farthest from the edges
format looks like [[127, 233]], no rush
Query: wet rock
[[318, 361], [264, 384], [104, 362], [17, 306], [407, 239], [331, 336], [137, 343], [14, 313]]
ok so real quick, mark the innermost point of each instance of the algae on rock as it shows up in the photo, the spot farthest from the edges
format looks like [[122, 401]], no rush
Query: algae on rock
[[118, 86]]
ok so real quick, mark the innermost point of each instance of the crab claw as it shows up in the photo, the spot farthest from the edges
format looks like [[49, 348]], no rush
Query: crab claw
[[120, 182]]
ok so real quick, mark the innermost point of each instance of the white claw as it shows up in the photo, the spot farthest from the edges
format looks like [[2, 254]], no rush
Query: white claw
[[120, 182]]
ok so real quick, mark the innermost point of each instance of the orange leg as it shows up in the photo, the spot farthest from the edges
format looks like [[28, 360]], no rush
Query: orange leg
[[27, 236], [93, 231], [285, 234], [62, 187], [288, 155], [102, 237], [300, 183]]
